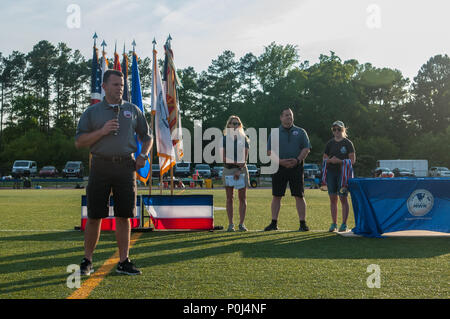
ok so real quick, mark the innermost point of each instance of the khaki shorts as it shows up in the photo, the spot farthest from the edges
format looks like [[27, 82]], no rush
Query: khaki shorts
[[231, 171]]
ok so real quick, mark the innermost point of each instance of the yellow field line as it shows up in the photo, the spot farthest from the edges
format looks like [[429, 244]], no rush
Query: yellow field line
[[94, 280]]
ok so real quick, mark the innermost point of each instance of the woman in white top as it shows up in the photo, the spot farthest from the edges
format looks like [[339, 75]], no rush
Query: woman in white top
[[235, 157]]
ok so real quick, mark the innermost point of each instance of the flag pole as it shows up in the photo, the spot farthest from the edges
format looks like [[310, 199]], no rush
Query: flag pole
[[152, 116], [95, 36], [171, 180], [169, 38], [103, 47]]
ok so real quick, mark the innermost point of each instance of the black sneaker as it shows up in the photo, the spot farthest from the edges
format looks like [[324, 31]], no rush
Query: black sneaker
[[86, 267], [127, 268], [303, 227], [272, 226]]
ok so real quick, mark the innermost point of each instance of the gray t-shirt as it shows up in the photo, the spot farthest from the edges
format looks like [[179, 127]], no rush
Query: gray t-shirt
[[131, 121], [291, 142], [239, 146]]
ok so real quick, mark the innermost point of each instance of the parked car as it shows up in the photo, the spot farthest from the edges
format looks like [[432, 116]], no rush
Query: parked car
[[48, 171], [383, 172], [439, 171], [402, 172], [203, 170], [155, 170], [73, 169], [24, 168], [217, 171], [445, 173], [253, 170], [311, 170], [183, 169]]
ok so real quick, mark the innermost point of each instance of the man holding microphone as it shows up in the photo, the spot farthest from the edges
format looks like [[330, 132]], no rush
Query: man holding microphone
[[107, 129]]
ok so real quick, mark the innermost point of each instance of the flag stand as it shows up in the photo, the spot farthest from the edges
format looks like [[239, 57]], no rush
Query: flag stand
[[151, 158], [171, 180]]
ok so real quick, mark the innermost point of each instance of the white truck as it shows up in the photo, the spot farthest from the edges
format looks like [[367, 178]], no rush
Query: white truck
[[418, 167]]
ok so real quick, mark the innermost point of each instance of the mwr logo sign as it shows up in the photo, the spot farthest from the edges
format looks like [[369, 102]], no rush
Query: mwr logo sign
[[420, 202]]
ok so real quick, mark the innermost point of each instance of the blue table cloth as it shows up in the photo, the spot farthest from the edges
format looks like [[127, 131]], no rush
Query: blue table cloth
[[383, 205]]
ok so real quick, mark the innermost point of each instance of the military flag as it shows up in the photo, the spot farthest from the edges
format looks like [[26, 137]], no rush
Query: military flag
[[171, 82], [164, 145]]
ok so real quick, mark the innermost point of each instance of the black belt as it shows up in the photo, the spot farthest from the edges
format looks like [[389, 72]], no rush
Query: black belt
[[113, 159]]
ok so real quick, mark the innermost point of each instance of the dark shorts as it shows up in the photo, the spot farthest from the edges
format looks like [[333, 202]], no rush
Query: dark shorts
[[106, 177], [334, 183], [292, 175]]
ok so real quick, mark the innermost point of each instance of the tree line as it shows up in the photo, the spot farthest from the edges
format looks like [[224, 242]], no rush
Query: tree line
[[44, 92]]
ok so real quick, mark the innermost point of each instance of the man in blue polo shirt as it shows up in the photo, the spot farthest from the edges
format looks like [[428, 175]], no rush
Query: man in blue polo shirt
[[108, 129], [293, 148]]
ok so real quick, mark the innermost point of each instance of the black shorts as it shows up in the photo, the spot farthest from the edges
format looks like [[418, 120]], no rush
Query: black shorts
[[118, 177], [292, 175]]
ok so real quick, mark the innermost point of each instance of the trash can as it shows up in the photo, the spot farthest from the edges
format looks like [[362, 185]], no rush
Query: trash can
[[208, 183]]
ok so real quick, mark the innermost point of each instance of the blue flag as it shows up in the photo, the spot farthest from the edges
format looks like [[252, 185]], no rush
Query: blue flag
[[136, 98]]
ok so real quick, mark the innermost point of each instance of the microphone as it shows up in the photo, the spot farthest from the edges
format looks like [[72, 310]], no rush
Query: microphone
[[116, 109]]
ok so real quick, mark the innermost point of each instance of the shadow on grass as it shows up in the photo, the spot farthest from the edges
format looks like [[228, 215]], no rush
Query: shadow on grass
[[319, 245], [36, 265], [161, 248]]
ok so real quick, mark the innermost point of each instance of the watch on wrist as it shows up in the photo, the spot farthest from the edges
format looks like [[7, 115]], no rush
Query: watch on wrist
[[144, 156]]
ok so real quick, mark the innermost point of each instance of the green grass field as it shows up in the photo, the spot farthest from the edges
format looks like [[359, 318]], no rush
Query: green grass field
[[38, 242]]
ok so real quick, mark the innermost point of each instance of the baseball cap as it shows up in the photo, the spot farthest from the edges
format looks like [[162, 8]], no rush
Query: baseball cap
[[339, 123]]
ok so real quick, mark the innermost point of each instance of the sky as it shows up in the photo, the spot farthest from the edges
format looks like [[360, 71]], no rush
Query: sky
[[397, 34]]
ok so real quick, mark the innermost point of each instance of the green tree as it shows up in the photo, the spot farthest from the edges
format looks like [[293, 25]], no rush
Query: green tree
[[430, 107], [247, 77], [13, 83], [41, 71], [274, 64]]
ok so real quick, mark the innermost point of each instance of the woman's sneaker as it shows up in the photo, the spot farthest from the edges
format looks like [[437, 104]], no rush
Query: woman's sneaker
[[230, 228], [242, 227], [128, 268], [333, 228], [86, 267], [343, 228]]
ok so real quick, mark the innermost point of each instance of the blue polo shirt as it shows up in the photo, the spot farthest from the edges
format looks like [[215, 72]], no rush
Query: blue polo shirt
[[131, 121], [291, 141]]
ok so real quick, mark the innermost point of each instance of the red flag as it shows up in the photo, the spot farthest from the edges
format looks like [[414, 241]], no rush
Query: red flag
[[117, 62]]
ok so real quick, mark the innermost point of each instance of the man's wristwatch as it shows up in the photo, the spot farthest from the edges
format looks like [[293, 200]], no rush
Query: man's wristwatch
[[144, 156]]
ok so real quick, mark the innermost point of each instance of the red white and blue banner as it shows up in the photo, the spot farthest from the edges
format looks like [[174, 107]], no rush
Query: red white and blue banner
[[109, 223], [188, 212]]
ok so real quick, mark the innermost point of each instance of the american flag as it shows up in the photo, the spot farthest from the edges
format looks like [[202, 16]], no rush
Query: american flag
[[96, 78]]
